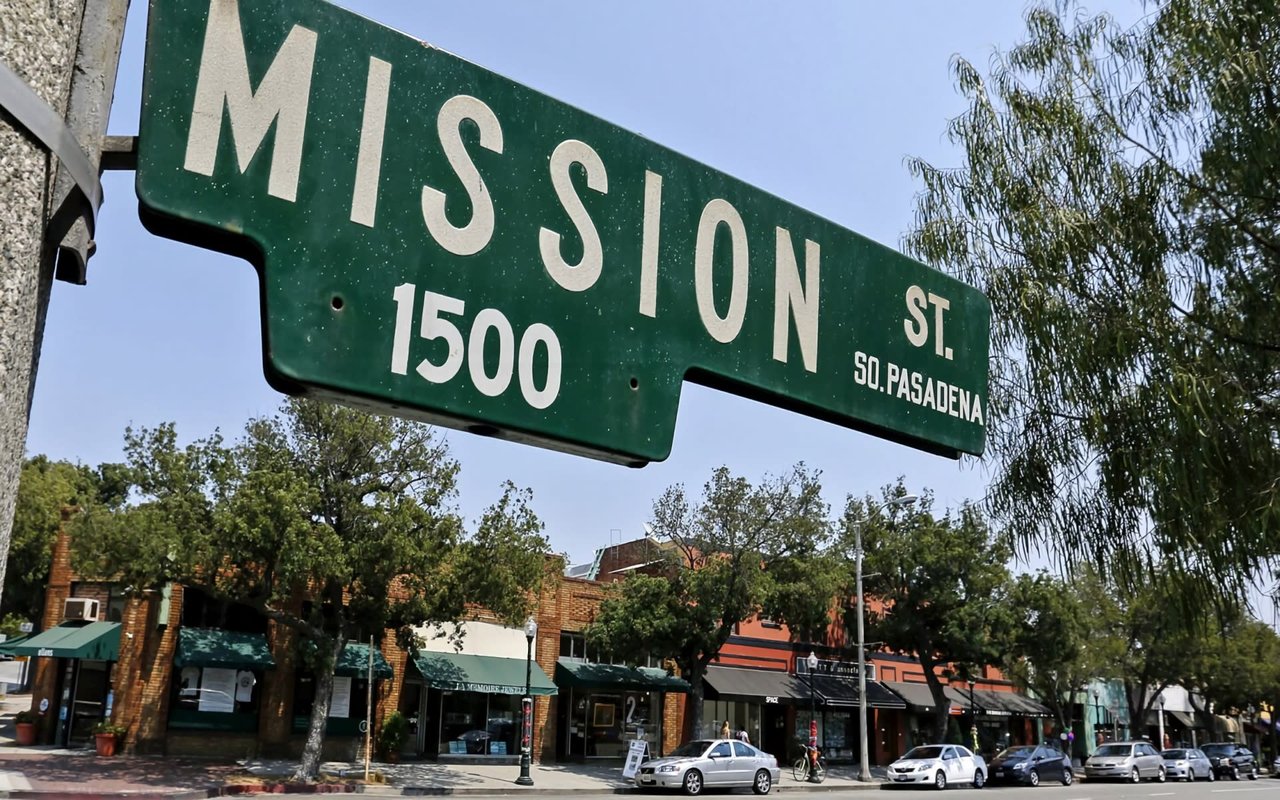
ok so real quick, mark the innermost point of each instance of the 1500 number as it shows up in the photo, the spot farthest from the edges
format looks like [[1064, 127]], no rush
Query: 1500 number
[[490, 379]]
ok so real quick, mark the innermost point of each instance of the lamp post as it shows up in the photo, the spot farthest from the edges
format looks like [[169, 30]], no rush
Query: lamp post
[[973, 718], [526, 705], [812, 661], [1097, 714], [1161, 726], [864, 768]]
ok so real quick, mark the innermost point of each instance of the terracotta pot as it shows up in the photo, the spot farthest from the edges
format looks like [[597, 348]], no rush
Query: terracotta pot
[[26, 734], [106, 743]]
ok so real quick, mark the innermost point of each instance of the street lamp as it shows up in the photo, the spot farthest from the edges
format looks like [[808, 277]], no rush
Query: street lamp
[[973, 718], [1161, 727], [812, 661], [1097, 711], [526, 705], [864, 768]]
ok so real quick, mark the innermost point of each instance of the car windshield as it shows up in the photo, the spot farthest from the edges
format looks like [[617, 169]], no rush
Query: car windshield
[[691, 749], [1217, 749], [924, 752], [1174, 754], [1113, 750], [1016, 752]]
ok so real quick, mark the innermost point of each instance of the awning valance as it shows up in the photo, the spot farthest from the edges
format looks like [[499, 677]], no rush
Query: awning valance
[[463, 672], [755, 685], [214, 647], [584, 675], [842, 691], [354, 662], [97, 641], [996, 704], [1183, 718], [917, 695], [6, 647]]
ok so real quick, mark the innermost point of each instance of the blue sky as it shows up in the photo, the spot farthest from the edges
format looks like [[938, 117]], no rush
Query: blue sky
[[818, 103]]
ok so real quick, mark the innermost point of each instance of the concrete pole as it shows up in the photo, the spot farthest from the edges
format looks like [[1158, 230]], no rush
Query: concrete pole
[[41, 42], [37, 42]]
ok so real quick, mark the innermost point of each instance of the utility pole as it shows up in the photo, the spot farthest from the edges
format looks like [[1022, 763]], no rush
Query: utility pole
[[55, 96]]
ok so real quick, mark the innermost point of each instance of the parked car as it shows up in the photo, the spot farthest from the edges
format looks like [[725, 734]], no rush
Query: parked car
[[1126, 761], [711, 764], [941, 765], [1231, 760], [1275, 767], [1187, 764], [1031, 764]]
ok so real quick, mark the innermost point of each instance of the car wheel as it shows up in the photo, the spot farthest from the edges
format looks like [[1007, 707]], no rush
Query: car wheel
[[1213, 775], [1160, 775], [1235, 772], [693, 783], [1253, 774], [979, 780], [763, 782], [1033, 778], [1067, 776], [1135, 776], [940, 780]]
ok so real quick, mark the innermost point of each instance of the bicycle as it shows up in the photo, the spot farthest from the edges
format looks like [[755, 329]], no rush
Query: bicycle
[[811, 760]]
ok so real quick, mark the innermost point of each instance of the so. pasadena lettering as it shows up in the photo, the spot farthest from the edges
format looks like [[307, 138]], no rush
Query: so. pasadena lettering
[[917, 388]]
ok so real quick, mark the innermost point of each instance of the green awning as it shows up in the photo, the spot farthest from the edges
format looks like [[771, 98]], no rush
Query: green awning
[[6, 647], [354, 662], [98, 641], [213, 647], [582, 675], [462, 672]]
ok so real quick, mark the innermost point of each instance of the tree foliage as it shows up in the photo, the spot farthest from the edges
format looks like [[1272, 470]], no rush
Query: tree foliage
[[44, 490], [1050, 648], [1119, 203], [346, 511], [740, 551], [940, 582]]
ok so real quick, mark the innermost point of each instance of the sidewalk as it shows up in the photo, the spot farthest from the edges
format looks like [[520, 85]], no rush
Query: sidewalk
[[47, 772]]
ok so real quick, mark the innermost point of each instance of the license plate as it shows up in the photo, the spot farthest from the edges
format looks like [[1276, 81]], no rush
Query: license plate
[[646, 780], [999, 773]]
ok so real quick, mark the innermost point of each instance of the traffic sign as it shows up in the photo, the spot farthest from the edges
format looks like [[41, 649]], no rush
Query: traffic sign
[[439, 242]]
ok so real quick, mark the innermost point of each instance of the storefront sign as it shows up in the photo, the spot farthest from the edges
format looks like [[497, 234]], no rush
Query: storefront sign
[[340, 702], [45, 651], [771, 699], [217, 688]]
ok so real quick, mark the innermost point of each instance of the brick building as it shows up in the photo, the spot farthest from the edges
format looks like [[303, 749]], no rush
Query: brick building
[[186, 674]]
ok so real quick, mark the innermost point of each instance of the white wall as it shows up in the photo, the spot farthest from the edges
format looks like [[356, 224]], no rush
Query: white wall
[[480, 639]]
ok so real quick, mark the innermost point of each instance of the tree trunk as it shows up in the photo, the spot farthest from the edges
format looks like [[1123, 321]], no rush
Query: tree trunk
[[309, 765], [940, 700], [693, 711]]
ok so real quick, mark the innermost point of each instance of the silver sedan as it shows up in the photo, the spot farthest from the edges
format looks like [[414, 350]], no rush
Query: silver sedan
[[1187, 764], [711, 764]]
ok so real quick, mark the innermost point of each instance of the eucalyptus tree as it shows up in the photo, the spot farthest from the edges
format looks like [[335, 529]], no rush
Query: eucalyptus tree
[[739, 551], [941, 584], [326, 520], [1118, 200]]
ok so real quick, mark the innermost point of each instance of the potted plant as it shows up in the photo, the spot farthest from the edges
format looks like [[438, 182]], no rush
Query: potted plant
[[395, 730], [106, 736], [25, 722]]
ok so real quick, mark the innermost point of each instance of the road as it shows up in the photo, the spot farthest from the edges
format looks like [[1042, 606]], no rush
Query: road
[[1083, 790]]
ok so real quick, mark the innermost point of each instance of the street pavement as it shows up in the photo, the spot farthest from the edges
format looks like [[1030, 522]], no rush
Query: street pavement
[[54, 772]]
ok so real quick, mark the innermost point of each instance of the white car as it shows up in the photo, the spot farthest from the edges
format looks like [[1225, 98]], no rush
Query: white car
[[940, 765]]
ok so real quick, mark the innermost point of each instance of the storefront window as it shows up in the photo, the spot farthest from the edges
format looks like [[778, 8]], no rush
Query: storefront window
[[215, 698], [741, 716], [479, 724], [347, 703]]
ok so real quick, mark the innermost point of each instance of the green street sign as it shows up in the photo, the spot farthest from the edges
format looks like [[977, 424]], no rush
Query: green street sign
[[436, 241]]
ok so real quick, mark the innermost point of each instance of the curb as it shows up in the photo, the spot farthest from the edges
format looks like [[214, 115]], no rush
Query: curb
[[243, 790]]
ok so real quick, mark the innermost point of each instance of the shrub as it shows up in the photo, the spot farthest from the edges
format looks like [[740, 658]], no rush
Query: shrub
[[395, 730]]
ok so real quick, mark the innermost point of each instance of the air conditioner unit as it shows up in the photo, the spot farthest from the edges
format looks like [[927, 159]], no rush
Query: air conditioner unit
[[80, 608], [871, 672]]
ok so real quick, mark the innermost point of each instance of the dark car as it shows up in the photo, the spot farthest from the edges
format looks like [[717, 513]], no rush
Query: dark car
[[1031, 764], [1231, 760]]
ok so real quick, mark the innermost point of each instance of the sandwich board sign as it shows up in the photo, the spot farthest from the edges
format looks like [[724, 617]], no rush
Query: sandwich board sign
[[436, 241]]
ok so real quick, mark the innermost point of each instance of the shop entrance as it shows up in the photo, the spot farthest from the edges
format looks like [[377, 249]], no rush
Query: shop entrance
[[773, 731]]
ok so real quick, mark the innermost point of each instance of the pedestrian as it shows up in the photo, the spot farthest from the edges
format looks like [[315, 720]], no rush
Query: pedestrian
[[725, 730], [743, 737]]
